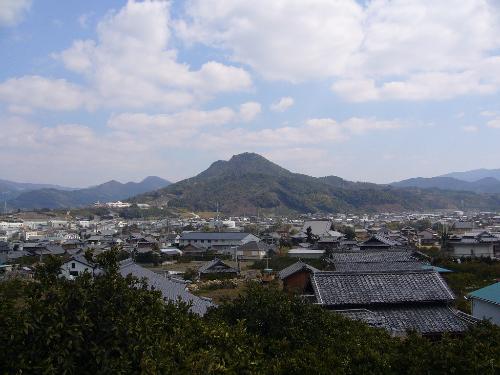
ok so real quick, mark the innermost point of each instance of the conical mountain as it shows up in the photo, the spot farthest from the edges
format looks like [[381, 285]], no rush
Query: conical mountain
[[249, 182]]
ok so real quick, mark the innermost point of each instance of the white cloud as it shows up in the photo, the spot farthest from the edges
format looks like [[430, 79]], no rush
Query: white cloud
[[489, 113], [283, 104], [280, 39], [470, 129], [313, 132], [13, 11], [494, 123], [424, 86], [378, 50], [250, 110], [131, 64], [43, 93]]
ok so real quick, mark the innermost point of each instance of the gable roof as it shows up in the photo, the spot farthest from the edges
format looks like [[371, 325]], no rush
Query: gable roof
[[423, 319], [255, 246], [318, 227], [227, 236], [294, 268], [491, 293], [375, 288], [216, 266], [371, 256], [379, 240], [378, 266], [171, 289]]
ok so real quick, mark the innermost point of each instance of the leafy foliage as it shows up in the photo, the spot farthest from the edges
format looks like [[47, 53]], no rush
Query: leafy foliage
[[117, 325]]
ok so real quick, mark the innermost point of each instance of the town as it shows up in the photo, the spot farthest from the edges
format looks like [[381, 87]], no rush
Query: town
[[329, 259], [214, 187]]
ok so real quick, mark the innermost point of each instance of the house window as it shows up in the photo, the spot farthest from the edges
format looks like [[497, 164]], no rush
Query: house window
[[202, 241], [73, 265]]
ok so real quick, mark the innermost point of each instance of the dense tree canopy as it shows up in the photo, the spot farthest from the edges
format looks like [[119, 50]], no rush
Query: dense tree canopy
[[117, 325]]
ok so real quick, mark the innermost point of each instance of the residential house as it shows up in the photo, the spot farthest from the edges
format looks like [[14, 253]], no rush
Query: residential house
[[296, 277], [427, 237], [216, 240], [475, 244], [486, 303], [379, 241], [170, 288], [398, 301], [77, 265], [216, 269], [366, 261], [254, 250]]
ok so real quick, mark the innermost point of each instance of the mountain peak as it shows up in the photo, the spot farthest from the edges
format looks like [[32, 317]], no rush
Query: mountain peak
[[245, 163]]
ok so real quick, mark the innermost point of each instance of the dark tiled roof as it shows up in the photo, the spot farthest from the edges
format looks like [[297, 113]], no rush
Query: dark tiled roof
[[255, 246], [216, 266], [340, 289], [423, 319], [371, 256], [378, 266], [296, 267], [228, 236], [172, 290], [379, 239]]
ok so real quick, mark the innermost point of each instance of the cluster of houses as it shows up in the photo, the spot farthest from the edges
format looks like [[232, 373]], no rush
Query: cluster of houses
[[393, 289], [376, 274]]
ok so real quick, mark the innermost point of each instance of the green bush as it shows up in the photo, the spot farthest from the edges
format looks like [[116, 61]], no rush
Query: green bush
[[116, 325]]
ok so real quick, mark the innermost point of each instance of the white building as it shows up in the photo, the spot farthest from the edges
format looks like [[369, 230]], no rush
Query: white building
[[118, 204], [76, 266], [217, 240], [486, 303], [475, 244]]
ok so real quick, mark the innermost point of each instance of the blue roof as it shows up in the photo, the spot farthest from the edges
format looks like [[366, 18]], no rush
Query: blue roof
[[436, 268], [490, 293]]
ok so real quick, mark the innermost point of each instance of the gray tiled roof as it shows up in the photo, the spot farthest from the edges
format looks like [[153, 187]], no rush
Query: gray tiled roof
[[377, 266], [318, 227], [228, 236], [371, 256], [372, 288], [423, 319], [172, 290], [296, 267], [216, 266]]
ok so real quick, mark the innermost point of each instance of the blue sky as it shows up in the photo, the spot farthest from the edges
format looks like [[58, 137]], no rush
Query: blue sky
[[370, 91]]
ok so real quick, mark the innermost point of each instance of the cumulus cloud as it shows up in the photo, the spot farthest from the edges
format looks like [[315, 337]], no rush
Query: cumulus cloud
[[376, 50], [39, 92], [13, 11], [280, 39], [320, 132], [283, 104], [130, 64], [249, 110]]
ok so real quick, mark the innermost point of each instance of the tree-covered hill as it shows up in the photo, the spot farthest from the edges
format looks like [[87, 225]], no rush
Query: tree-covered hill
[[248, 182]]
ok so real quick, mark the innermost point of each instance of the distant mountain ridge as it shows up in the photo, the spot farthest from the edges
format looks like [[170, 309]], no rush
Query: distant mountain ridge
[[109, 191], [484, 185], [249, 182], [474, 174]]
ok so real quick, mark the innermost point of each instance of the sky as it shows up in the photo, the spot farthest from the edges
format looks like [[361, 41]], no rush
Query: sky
[[372, 90]]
